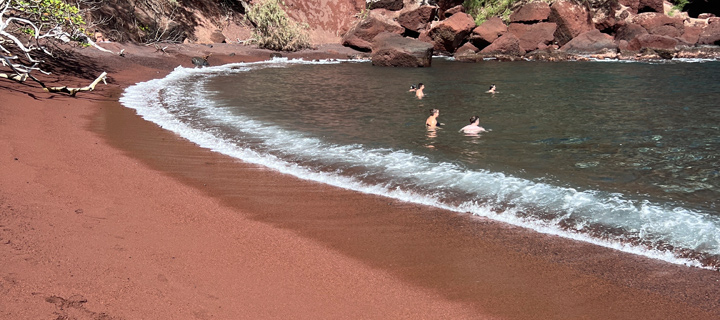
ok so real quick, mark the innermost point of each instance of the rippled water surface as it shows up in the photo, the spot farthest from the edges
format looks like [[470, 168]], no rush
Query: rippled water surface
[[620, 154]]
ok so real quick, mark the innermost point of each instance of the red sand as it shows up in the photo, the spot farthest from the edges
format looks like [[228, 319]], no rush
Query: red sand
[[105, 216]]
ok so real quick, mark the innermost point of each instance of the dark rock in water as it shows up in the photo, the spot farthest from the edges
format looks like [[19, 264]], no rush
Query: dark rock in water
[[200, 61], [393, 50], [572, 19], [531, 12], [549, 54], [361, 36], [532, 35], [449, 34], [590, 42], [487, 32]]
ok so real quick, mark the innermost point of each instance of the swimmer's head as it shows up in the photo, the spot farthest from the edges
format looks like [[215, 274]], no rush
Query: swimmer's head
[[420, 85], [474, 118], [412, 86], [434, 111]]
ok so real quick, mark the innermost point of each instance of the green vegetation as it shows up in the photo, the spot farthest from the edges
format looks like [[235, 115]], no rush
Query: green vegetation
[[49, 13], [679, 4], [274, 29], [482, 10]]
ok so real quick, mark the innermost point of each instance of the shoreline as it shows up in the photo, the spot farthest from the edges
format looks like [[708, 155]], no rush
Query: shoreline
[[105, 207]]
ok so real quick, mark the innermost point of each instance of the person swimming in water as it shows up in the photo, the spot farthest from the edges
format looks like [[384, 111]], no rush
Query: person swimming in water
[[474, 126], [492, 89], [431, 121], [419, 91]]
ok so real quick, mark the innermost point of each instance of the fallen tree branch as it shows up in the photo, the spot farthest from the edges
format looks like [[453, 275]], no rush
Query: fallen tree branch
[[73, 91]]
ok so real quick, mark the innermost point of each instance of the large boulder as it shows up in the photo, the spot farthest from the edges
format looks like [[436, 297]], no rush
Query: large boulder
[[592, 41], [653, 41], [531, 36], [711, 33], [668, 31], [361, 36], [484, 34], [692, 32], [417, 19], [392, 5], [508, 44], [449, 34], [652, 20], [531, 12], [630, 31], [572, 19], [394, 50]]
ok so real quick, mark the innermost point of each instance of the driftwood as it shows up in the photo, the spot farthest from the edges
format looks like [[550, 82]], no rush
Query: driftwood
[[20, 76]]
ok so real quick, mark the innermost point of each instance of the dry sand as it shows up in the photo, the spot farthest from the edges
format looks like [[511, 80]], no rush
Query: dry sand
[[106, 216]]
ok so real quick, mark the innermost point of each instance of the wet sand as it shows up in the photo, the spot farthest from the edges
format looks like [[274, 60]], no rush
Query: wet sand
[[106, 216]]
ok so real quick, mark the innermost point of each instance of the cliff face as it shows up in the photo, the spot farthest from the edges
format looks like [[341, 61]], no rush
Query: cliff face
[[207, 21]]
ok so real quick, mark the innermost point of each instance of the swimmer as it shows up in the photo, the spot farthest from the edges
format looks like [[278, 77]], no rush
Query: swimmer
[[473, 127], [492, 89], [431, 121], [419, 91]]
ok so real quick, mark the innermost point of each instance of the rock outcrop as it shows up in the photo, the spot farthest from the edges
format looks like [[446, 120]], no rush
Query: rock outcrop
[[394, 50]]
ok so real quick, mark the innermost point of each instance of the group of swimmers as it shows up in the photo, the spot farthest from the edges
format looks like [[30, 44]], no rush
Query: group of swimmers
[[431, 122]]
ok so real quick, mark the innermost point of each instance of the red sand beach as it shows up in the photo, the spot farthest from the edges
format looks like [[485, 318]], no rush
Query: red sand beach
[[106, 216]]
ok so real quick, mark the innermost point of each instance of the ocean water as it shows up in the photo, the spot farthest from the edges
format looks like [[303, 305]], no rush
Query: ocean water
[[619, 154]]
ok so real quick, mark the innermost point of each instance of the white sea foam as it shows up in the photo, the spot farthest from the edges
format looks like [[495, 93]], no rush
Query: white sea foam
[[414, 178]]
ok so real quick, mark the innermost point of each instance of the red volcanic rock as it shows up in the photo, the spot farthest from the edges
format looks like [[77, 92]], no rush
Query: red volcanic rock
[[447, 35], [361, 36], [532, 35], [444, 5], [507, 44], [692, 32], [531, 12], [394, 50], [652, 20], [467, 48], [630, 31], [711, 33], [392, 5], [650, 6], [572, 19], [592, 41], [417, 19], [653, 41], [631, 4], [668, 31], [449, 12], [487, 32]]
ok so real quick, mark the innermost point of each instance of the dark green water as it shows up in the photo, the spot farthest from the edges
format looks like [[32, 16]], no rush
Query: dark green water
[[619, 154]]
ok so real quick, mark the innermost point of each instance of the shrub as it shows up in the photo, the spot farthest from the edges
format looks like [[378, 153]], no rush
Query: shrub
[[274, 29], [481, 10]]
